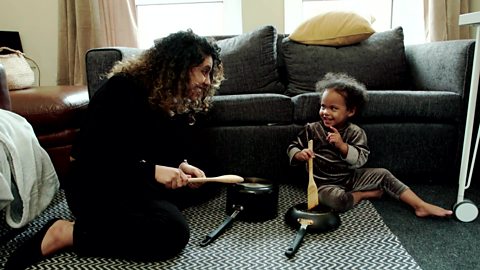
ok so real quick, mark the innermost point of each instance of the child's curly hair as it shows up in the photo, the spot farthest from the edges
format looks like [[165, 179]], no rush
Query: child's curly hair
[[164, 70], [354, 92]]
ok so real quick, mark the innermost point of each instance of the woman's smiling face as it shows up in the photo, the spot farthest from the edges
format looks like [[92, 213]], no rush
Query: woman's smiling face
[[200, 79]]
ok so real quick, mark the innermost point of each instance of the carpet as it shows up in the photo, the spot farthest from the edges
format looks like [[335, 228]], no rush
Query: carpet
[[435, 243], [363, 241]]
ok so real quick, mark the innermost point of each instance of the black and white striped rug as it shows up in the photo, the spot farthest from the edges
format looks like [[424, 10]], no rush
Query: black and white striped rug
[[362, 241]]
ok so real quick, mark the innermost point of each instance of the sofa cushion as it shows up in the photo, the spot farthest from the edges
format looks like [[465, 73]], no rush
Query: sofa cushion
[[250, 62], [333, 28], [413, 106], [379, 62], [399, 106], [251, 109], [99, 61]]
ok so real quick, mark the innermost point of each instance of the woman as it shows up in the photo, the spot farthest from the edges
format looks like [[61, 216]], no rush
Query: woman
[[128, 168]]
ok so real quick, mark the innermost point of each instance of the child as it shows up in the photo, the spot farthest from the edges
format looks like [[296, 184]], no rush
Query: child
[[340, 150]]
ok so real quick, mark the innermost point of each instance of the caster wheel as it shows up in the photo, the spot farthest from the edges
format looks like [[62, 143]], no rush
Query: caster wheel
[[465, 211]]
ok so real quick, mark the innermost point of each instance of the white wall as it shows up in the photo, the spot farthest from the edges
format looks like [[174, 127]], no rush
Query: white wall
[[37, 23], [36, 20], [262, 12]]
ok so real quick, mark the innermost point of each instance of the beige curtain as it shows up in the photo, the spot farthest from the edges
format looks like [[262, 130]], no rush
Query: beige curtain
[[88, 24], [441, 19]]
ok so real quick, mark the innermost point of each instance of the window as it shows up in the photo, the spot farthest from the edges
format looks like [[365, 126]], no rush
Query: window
[[158, 18], [409, 15], [388, 14]]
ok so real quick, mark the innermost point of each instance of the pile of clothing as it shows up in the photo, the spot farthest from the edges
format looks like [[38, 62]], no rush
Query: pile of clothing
[[28, 181]]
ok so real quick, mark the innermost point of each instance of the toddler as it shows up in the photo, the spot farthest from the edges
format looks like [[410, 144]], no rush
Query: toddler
[[340, 150]]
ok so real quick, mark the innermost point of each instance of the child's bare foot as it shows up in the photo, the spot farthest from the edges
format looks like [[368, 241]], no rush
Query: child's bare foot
[[427, 209]]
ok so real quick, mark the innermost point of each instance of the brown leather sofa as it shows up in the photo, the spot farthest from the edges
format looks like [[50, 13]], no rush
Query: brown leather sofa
[[54, 112]]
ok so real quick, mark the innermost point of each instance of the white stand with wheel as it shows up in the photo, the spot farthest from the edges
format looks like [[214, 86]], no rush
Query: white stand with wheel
[[465, 210]]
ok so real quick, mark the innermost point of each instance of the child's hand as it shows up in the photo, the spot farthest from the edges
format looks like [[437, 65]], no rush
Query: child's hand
[[334, 137], [304, 155], [336, 140]]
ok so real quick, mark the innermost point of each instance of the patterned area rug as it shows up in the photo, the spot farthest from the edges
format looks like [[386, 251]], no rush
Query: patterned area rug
[[363, 241]]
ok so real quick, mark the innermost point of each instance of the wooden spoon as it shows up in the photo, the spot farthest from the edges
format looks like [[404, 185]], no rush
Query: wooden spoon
[[228, 178], [312, 192]]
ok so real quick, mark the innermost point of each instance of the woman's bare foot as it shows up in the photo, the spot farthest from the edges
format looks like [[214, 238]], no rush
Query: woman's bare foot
[[426, 209], [57, 237]]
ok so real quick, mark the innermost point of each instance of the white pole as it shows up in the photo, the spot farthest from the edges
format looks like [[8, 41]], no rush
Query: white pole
[[470, 120]]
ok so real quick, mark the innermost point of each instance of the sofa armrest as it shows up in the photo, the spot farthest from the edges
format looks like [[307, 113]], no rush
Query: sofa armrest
[[99, 61], [4, 94], [441, 66]]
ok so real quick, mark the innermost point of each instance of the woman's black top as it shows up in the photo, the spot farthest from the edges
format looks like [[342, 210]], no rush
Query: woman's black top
[[117, 148]]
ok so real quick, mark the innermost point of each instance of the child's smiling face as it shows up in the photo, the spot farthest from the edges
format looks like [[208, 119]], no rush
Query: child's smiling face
[[333, 109]]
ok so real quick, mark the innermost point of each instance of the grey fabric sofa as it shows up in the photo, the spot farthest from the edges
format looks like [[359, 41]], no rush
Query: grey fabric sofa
[[414, 118]]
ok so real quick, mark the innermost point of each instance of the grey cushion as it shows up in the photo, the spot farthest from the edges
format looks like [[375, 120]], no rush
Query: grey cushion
[[442, 66], [251, 109], [250, 62], [99, 61], [389, 106], [379, 62]]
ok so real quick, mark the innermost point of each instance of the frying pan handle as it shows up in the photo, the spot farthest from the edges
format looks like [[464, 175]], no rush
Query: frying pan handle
[[296, 242], [215, 233]]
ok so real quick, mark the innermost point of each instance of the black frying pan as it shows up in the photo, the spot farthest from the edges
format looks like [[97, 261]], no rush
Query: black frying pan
[[254, 200], [317, 219]]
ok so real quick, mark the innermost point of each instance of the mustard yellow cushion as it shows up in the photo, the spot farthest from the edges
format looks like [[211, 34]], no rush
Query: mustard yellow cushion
[[335, 28]]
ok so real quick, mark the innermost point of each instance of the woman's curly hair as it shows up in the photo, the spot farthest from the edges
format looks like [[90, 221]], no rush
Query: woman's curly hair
[[164, 69], [354, 92]]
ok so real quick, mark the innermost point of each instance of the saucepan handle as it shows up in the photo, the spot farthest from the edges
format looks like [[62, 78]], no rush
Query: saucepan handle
[[215, 233], [290, 252]]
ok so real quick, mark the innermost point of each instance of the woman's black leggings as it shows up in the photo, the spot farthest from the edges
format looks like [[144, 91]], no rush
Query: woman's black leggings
[[159, 231]]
